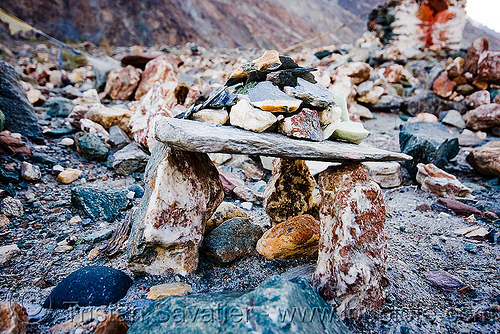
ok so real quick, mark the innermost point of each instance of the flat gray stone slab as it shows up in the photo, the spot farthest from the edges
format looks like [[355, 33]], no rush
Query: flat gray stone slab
[[201, 137]]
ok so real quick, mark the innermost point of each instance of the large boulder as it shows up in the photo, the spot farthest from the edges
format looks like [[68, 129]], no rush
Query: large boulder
[[427, 143], [267, 309], [19, 113]]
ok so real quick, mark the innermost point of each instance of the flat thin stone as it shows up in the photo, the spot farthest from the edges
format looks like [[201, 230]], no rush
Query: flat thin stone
[[200, 137], [267, 96]]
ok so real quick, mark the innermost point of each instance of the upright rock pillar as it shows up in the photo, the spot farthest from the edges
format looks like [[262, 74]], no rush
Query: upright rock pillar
[[183, 191], [351, 266]]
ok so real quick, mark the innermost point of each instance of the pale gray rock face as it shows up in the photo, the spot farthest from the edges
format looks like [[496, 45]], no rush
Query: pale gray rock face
[[267, 96], [351, 266], [200, 137], [183, 191], [313, 94], [130, 159]]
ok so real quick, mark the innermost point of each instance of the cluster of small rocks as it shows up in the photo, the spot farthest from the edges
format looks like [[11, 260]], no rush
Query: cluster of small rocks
[[100, 143]]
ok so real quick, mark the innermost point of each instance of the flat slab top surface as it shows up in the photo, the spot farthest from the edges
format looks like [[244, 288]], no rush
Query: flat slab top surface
[[201, 137]]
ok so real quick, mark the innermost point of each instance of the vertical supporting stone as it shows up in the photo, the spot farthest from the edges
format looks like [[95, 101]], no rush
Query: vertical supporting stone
[[289, 190], [183, 191], [351, 266]]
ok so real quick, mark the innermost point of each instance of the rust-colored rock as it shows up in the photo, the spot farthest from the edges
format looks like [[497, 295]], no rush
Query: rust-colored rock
[[184, 191], [304, 125], [488, 67], [159, 69], [113, 324], [12, 145], [295, 237], [483, 117], [486, 159], [472, 57], [13, 318], [458, 207], [170, 289], [441, 183], [443, 86], [122, 82], [351, 266], [289, 190]]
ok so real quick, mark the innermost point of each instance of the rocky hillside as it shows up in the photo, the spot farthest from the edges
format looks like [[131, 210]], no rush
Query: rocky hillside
[[220, 23]]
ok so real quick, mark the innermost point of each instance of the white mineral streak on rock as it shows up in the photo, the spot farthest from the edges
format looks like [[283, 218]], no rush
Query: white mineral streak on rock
[[160, 70], [245, 116], [211, 116], [157, 103], [439, 182], [186, 191], [351, 268], [412, 32]]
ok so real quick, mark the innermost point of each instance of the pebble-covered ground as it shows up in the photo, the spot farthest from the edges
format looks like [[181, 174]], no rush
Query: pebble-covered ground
[[418, 242]]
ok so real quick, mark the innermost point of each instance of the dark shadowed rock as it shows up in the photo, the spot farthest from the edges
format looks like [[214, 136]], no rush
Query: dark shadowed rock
[[129, 159], [117, 137], [233, 239], [89, 286], [430, 103], [19, 114], [427, 143], [92, 148], [99, 203], [257, 311], [59, 106]]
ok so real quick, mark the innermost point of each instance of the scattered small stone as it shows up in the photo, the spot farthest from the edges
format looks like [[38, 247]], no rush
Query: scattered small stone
[[386, 174], [443, 280], [89, 286], [117, 137], [67, 142], [471, 248], [437, 181], [57, 169], [473, 232], [130, 159], [94, 252], [233, 239], [423, 207], [59, 106], [8, 252], [98, 236], [170, 289], [225, 211], [295, 237], [459, 207], [76, 325], [454, 118], [100, 203], [12, 207], [63, 249], [69, 175], [30, 172], [247, 205], [91, 147]]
